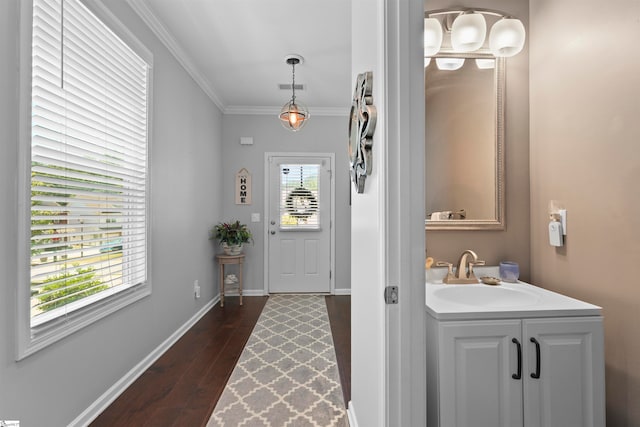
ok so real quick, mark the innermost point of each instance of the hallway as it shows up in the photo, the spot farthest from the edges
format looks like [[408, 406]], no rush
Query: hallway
[[183, 386]]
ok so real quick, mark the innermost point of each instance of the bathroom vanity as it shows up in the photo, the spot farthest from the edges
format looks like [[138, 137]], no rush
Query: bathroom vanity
[[512, 355]]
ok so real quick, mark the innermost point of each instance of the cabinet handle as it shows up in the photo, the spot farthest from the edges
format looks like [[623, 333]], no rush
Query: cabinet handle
[[519, 349], [536, 374]]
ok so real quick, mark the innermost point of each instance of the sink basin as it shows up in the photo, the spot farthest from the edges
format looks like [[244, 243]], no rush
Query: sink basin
[[505, 301], [486, 296]]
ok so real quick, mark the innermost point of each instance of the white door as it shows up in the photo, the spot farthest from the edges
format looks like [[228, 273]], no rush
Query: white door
[[568, 360], [299, 223], [481, 374]]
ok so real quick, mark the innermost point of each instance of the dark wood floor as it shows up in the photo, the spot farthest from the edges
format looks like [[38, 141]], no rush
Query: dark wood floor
[[339, 309], [182, 387]]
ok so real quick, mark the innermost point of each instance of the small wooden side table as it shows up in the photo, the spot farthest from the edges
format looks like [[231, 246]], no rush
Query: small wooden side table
[[227, 260]]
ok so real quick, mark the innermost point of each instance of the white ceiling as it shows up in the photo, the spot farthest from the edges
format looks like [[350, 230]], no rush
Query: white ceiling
[[235, 49]]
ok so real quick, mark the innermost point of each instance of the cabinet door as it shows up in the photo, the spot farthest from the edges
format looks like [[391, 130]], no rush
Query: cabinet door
[[477, 361], [570, 390]]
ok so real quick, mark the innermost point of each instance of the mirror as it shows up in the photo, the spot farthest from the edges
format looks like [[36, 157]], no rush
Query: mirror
[[464, 142]]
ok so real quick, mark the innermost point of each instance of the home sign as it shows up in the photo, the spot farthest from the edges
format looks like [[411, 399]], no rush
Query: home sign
[[243, 187]]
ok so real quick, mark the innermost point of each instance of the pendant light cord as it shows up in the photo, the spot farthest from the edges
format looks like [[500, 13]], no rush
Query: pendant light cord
[[293, 84]]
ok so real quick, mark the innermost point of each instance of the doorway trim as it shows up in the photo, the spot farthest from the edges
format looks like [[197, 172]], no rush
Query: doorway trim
[[332, 214]]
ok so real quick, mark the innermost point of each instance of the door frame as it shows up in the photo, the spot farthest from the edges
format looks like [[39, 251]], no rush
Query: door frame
[[332, 214]]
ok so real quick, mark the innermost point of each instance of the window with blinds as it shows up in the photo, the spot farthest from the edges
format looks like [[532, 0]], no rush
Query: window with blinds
[[89, 114], [299, 204]]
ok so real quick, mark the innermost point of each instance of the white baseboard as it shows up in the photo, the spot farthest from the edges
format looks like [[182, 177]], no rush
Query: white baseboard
[[97, 407], [344, 291], [351, 413]]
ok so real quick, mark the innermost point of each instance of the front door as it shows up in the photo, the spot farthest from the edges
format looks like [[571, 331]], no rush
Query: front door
[[299, 223]]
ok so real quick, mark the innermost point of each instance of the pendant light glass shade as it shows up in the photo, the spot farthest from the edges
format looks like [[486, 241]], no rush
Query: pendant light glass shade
[[427, 61], [293, 115], [507, 37], [432, 36], [468, 32], [449, 64]]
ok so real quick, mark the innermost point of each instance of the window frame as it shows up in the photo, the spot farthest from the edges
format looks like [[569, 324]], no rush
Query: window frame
[[28, 341]]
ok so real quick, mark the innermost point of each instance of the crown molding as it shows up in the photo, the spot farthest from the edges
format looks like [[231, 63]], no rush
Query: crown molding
[[142, 9], [314, 111]]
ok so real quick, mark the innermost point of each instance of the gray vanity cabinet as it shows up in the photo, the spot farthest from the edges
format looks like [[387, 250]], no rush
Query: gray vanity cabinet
[[515, 372]]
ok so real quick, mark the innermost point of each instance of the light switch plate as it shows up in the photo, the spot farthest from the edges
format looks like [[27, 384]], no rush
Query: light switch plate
[[255, 217]]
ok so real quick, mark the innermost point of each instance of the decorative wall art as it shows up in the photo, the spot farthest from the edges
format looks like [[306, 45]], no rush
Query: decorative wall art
[[243, 187], [299, 205], [362, 125]]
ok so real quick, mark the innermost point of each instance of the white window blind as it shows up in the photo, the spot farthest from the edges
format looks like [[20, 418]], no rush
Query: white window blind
[[299, 204], [89, 167]]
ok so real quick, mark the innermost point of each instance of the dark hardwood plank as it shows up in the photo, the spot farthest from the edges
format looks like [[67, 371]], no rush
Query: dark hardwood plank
[[339, 309], [183, 386], [164, 391]]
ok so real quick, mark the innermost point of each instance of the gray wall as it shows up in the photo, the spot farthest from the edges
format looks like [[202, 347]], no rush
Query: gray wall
[[322, 134], [585, 101], [53, 386], [512, 243]]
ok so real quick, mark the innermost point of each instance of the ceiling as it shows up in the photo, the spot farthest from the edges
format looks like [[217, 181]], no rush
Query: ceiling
[[235, 49]]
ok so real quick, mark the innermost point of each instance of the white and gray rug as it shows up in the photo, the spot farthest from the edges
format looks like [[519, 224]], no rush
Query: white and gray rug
[[287, 375]]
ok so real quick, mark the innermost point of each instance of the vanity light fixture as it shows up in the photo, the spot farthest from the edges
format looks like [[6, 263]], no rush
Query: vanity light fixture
[[449, 64], [432, 36], [485, 63], [468, 32], [507, 37], [293, 115], [467, 29]]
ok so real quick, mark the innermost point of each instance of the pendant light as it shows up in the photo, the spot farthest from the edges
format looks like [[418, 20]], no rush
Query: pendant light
[[293, 115]]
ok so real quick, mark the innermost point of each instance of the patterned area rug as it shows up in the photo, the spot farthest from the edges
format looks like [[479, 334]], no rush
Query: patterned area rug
[[287, 375]]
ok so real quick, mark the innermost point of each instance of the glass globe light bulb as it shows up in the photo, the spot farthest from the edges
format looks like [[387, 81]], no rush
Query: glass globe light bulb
[[468, 32], [432, 36], [507, 37]]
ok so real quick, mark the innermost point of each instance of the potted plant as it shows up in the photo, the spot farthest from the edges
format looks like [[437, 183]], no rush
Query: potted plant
[[232, 235]]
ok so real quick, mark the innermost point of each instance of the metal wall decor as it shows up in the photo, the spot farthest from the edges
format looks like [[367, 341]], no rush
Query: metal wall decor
[[362, 125]]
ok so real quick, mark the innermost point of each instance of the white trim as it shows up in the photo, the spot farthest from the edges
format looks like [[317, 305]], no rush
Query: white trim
[[351, 414], [23, 309], [100, 404], [268, 111], [332, 232], [403, 79], [343, 291], [141, 7], [27, 345]]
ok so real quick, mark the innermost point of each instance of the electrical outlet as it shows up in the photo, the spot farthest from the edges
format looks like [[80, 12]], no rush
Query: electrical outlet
[[196, 289]]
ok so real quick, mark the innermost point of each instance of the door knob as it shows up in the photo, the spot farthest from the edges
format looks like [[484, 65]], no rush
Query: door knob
[[273, 223], [273, 232]]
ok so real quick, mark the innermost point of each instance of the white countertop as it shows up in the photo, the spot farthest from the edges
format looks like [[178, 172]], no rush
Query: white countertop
[[506, 300]]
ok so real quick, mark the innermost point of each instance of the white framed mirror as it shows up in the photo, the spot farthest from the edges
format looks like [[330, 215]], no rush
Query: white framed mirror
[[464, 142]]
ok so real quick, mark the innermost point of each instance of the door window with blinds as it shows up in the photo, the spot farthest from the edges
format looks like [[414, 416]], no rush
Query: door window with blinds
[[299, 204], [88, 164]]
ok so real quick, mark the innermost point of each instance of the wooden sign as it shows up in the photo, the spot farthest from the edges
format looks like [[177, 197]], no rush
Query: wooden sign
[[243, 187]]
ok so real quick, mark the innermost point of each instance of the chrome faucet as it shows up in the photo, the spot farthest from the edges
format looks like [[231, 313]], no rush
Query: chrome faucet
[[464, 272]]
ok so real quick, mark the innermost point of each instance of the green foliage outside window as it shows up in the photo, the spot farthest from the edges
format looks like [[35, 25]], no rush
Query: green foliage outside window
[[69, 286]]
